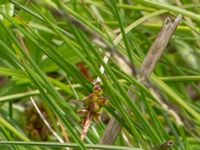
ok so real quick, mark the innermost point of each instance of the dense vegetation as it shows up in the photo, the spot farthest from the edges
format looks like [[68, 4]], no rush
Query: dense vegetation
[[51, 52]]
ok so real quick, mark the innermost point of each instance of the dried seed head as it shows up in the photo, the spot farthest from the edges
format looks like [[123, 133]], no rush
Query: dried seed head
[[94, 107], [94, 98], [83, 112], [90, 99], [97, 117], [102, 101], [97, 90]]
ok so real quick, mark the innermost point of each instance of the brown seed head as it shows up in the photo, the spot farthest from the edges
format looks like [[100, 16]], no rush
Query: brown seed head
[[94, 107], [90, 99], [102, 101], [97, 90], [97, 117], [82, 112]]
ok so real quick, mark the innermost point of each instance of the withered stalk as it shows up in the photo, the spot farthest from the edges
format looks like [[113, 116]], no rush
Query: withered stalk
[[156, 50]]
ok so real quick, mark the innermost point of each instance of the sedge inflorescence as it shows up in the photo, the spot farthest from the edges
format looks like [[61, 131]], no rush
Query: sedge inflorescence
[[92, 107]]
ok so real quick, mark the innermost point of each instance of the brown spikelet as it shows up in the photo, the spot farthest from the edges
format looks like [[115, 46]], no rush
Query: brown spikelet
[[91, 111], [86, 124]]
